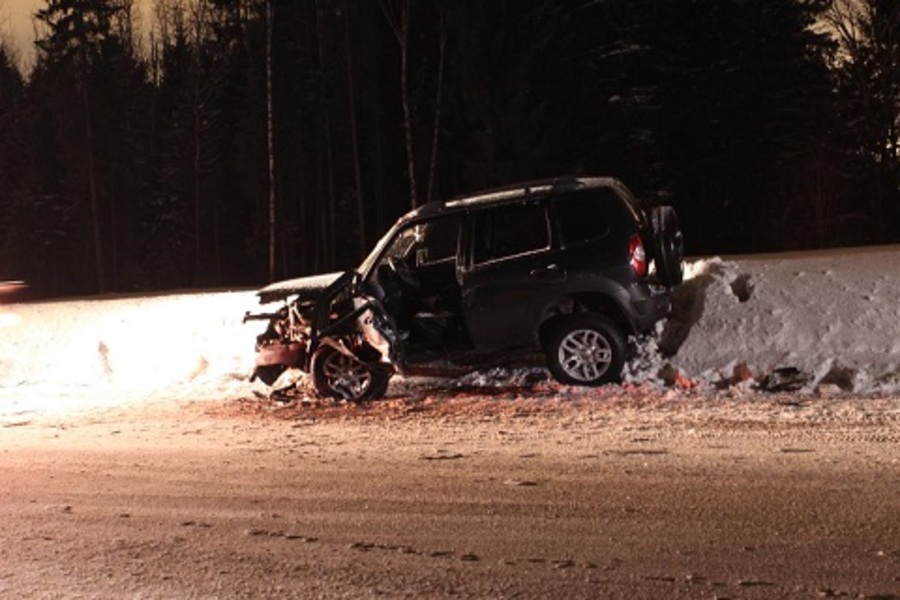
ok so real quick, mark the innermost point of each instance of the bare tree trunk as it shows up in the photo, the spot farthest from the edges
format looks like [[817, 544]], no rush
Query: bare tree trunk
[[438, 102], [318, 208], [407, 116], [328, 212], [217, 243], [197, 119], [325, 243], [379, 174], [306, 231], [331, 213], [198, 157], [360, 208], [92, 190], [270, 138], [400, 25]]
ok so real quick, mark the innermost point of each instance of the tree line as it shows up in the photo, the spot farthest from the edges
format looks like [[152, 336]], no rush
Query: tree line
[[232, 142]]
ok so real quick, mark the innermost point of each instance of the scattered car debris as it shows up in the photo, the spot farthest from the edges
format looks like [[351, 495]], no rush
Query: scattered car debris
[[785, 379]]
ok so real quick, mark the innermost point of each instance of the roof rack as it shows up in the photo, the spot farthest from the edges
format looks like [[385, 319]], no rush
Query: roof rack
[[519, 190]]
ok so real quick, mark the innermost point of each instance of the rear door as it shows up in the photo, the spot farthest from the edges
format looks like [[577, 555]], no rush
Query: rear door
[[512, 270]]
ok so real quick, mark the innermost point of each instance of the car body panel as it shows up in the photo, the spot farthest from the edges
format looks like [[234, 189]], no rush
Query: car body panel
[[502, 300]]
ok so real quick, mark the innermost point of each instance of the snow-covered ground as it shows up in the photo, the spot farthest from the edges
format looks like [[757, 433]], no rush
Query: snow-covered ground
[[833, 316], [57, 355]]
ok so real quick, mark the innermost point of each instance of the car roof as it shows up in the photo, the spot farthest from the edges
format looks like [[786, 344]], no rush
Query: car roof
[[514, 193]]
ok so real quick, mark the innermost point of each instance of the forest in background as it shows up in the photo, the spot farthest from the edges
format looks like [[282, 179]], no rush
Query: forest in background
[[232, 142]]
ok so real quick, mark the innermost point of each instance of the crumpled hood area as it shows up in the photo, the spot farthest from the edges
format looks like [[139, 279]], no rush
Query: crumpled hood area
[[306, 288]]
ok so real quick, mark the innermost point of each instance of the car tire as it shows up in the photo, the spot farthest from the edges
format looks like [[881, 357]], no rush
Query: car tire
[[269, 374], [338, 375], [586, 349], [668, 245]]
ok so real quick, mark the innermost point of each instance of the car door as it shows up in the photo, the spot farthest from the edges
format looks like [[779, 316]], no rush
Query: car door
[[511, 272]]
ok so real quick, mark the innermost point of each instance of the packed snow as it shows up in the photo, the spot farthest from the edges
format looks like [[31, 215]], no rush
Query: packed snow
[[827, 320], [833, 316]]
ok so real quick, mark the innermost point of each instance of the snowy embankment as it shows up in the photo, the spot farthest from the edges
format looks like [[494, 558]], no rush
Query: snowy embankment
[[832, 316], [110, 351]]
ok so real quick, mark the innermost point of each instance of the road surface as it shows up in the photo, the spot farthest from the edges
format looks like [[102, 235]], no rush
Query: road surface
[[464, 496]]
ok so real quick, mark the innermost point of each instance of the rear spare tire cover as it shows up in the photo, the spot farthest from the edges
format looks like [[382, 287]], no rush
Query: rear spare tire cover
[[668, 245]]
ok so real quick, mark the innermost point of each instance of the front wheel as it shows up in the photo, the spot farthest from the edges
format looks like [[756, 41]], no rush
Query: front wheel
[[338, 375], [586, 349]]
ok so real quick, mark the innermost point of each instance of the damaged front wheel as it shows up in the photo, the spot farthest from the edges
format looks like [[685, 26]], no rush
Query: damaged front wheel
[[339, 375]]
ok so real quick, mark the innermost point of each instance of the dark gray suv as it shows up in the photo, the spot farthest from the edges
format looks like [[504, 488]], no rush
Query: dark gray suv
[[568, 267]]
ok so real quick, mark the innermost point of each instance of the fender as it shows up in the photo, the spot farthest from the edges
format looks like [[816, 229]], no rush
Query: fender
[[613, 298]]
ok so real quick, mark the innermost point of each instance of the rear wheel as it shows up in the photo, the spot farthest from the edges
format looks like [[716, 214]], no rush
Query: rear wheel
[[339, 375], [668, 245], [586, 349]]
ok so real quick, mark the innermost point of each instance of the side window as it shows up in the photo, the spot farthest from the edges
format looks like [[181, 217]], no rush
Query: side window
[[583, 217], [508, 231], [401, 245], [439, 239], [426, 243]]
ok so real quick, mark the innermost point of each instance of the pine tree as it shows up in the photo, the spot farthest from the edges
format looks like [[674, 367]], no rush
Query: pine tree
[[13, 166], [727, 106], [77, 30], [868, 71]]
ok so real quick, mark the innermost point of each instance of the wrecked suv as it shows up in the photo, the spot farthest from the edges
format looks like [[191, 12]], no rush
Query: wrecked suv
[[568, 267]]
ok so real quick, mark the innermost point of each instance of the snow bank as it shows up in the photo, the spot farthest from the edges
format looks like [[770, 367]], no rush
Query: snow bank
[[119, 350], [834, 317]]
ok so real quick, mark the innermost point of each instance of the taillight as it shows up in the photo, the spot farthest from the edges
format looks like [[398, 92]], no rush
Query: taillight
[[638, 255]]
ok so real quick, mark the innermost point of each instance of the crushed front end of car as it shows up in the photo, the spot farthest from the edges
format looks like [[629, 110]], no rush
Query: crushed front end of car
[[331, 329]]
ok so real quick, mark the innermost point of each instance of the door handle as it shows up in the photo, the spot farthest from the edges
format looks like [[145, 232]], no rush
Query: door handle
[[551, 269]]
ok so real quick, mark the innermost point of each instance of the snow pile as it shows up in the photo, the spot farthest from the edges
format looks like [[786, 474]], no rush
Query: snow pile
[[825, 319], [110, 351], [833, 318]]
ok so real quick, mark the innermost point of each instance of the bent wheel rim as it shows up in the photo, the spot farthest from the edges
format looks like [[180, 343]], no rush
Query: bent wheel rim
[[346, 375], [585, 355]]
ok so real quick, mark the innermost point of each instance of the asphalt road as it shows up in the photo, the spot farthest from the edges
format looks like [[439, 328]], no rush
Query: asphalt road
[[574, 502]]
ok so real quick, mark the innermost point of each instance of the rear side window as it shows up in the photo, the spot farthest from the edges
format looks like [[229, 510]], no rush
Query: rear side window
[[584, 217], [509, 231]]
